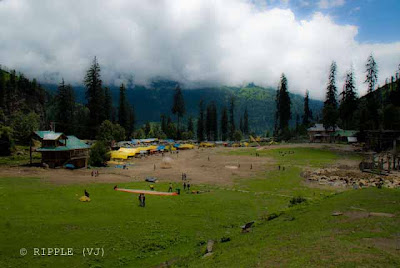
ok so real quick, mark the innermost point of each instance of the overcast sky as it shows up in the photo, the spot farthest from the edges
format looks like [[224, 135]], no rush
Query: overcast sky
[[200, 42]]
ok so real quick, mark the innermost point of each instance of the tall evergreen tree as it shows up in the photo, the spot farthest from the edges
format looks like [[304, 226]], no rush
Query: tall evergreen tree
[[190, 126], [2, 91], [246, 129], [224, 124], [131, 121], [123, 108], [307, 116], [241, 126], [371, 73], [349, 102], [107, 104], [232, 126], [200, 122], [178, 107], [94, 96], [373, 99], [330, 112], [283, 107], [212, 122], [164, 123], [65, 111]]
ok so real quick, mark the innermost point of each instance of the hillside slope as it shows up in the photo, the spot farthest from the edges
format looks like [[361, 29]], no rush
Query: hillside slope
[[151, 102]]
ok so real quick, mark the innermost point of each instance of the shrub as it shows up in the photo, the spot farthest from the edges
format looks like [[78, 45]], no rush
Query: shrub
[[296, 200], [99, 154]]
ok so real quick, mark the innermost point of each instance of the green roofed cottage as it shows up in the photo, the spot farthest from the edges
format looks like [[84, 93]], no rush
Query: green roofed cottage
[[57, 149]]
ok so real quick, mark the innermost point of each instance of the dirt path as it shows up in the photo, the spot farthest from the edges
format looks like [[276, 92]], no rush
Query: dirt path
[[209, 166]]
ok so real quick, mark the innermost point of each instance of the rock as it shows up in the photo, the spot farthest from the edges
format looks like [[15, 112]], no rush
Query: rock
[[210, 245], [337, 213]]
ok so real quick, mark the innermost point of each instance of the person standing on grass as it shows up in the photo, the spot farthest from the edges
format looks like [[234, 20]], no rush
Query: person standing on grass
[[188, 186], [170, 188], [152, 187], [184, 186]]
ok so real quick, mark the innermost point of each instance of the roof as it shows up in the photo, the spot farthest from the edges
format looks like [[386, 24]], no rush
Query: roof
[[320, 127], [48, 135], [346, 133], [73, 143]]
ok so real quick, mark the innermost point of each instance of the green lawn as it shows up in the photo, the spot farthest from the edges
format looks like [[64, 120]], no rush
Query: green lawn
[[176, 228]]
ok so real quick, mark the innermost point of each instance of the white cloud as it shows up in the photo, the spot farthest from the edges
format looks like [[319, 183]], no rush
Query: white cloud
[[325, 4], [226, 42]]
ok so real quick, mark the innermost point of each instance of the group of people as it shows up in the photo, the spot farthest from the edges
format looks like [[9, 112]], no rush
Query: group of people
[[95, 173], [186, 186]]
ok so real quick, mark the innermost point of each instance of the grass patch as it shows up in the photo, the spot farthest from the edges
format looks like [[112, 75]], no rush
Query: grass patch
[[176, 229]]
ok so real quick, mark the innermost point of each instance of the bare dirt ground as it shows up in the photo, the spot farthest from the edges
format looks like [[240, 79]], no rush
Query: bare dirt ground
[[208, 165]]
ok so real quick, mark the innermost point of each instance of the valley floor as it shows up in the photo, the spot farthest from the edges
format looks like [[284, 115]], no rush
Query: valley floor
[[41, 209]]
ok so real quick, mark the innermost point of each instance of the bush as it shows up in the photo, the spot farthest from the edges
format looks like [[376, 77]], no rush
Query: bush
[[6, 141], [99, 154], [237, 135], [297, 200]]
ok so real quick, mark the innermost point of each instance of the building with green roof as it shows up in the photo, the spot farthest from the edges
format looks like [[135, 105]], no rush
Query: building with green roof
[[58, 149]]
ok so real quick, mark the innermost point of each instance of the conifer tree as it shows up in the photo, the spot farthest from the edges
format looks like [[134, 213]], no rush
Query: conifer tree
[[107, 104], [200, 122], [307, 116], [94, 96], [330, 112], [246, 129], [232, 126], [65, 111], [178, 107], [349, 102], [283, 113], [190, 126], [371, 73], [123, 108], [224, 124]]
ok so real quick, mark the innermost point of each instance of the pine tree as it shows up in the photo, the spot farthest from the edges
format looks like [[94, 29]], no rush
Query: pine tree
[[349, 102], [65, 111], [330, 113], [283, 108], [94, 96], [307, 116], [2, 91], [164, 123], [200, 122], [178, 107], [372, 73], [246, 129], [232, 126], [190, 126], [123, 108], [241, 126], [107, 104], [131, 121], [214, 122], [224, 124]]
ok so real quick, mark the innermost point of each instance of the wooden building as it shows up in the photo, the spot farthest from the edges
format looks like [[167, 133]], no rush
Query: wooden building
[[57, 149]]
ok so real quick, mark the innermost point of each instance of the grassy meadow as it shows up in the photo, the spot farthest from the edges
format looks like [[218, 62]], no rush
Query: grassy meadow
[[175, 229]]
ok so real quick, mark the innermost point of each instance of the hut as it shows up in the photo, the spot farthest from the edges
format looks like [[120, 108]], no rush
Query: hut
[[58, 149]]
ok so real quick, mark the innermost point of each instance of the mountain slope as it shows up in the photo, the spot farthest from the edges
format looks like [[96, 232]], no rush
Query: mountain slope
[[151, 102]]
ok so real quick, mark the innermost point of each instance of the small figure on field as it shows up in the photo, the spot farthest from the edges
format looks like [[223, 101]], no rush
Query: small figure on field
[[142, 200], [184, 186], [92, 173], [279, 167], [152, 187], [170, 187], [188, 186], [86, 193]]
